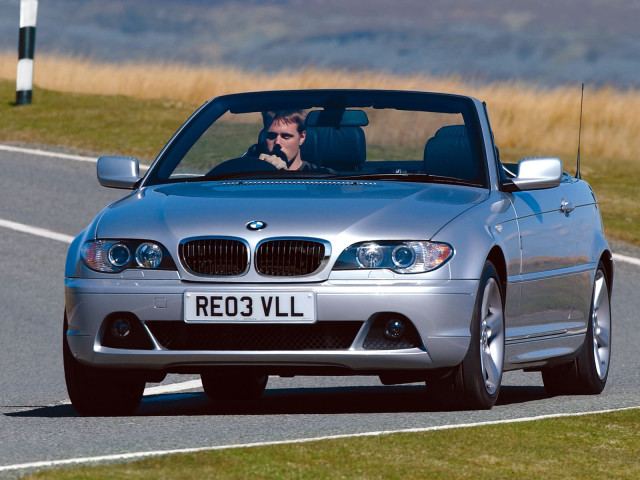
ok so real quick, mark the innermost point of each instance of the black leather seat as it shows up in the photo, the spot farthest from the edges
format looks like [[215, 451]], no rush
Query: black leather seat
[[448, 154], [338, 149]]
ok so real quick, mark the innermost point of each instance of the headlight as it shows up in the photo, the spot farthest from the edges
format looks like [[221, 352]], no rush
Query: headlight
[[370, 255], [119, 255], [404, 256], [148, 255], [399, 256], [113, 256]]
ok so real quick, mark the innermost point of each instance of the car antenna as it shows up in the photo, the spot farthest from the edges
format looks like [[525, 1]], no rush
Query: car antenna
[[580, 131]]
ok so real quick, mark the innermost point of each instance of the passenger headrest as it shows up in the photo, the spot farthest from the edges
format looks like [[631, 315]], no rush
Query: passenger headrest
[[448, 153], [339, 149]]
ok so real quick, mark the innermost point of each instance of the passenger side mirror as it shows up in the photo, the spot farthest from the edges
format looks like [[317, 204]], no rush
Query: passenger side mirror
[[535, 173]]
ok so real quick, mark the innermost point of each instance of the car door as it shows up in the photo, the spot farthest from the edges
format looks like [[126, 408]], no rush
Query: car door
[[548, 245], [586, 227]]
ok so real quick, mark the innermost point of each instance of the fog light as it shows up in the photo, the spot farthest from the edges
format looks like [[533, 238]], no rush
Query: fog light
[[121, 327], [394, 329]]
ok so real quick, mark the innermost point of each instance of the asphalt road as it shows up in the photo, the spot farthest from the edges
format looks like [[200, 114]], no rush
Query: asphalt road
[[38, 424]]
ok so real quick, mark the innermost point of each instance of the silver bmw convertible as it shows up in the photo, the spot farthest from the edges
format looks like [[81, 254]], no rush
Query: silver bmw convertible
[[338, 232]]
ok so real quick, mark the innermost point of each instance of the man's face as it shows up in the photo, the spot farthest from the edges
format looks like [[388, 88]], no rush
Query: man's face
[[286, 136]]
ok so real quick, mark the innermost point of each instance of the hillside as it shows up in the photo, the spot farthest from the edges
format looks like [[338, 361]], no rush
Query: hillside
[[544, 42]]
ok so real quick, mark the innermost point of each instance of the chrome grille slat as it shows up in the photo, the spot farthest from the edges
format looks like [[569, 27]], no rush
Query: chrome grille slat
[[289, 257]]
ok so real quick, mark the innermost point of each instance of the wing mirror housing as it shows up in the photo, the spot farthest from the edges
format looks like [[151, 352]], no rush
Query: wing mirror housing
[[118, 172], [535, 173]]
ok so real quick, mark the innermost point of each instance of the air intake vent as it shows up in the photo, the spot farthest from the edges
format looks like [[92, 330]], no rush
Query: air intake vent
[[215, 256], [288, 258], [175, 335]]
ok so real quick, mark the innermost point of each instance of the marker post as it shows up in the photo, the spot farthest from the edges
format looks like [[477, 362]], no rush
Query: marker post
[[26, 49]]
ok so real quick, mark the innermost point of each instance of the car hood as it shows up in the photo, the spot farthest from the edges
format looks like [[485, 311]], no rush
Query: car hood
[[338, 211]]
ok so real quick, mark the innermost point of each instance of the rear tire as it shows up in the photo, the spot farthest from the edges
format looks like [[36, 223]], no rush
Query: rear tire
[[99, 391], [475, 383], [223, 386], [587, 373]]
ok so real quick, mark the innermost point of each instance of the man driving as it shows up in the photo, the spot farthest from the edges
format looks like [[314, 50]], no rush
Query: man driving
[[284, 135]]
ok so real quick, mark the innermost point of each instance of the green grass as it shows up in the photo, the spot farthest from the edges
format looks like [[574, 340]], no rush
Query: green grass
[[91, 124], [586, 447], [96, 125]]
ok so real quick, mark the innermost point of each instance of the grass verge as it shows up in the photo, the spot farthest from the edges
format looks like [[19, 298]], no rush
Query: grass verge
[[91, 124], [585, 447], [115, 124]]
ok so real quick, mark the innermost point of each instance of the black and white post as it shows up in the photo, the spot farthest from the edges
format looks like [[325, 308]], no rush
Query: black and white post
[[26, 49]]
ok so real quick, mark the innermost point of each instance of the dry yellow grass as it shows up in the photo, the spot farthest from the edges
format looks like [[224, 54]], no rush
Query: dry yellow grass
[[525, 118]]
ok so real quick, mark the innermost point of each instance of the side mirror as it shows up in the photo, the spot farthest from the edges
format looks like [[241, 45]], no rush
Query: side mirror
[[536, 173], [118, 172]]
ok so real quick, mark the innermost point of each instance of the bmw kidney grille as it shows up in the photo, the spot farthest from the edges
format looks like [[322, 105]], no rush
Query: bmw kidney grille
[[287, 258], [276, 258], [215, 256]]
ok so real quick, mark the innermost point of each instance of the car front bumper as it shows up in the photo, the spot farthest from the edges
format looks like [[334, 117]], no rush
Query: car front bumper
[[439, 310]]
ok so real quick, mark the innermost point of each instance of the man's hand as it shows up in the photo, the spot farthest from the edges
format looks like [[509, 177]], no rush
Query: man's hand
[[274, 160]]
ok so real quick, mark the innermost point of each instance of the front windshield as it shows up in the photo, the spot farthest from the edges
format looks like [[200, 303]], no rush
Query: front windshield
[[354, 142]]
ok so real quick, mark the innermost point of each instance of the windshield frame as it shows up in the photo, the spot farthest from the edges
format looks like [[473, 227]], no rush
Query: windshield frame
[[190, 132]]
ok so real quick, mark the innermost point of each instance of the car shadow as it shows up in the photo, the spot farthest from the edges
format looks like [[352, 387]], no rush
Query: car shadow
[[300, 401]]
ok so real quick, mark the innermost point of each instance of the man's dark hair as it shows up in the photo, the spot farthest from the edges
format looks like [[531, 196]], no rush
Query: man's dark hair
[[297, 117]]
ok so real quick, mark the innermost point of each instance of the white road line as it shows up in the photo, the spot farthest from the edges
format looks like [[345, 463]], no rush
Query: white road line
[[158, 390], [623, 258], [66, 156], [157, 453], [44, 153], [173, 388], [37, 231]]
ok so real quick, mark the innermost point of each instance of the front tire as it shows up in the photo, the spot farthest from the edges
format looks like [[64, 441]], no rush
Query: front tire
[[475, 383], [98, 391], [587, 373]]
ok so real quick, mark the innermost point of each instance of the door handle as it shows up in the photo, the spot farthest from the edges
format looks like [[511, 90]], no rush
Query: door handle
[[567, 207]]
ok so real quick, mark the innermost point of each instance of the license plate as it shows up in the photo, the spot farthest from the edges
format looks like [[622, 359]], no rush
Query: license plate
[[248, 307]]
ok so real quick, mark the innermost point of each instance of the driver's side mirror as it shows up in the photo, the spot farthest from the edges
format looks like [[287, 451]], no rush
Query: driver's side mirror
[[118, 172]]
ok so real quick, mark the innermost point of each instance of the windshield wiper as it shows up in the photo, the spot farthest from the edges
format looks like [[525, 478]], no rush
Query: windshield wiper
[[410, 177], [280, 174]]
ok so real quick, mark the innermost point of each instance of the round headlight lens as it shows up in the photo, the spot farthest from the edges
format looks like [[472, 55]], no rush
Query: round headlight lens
[[148, 255], [370, 255], [403, 256], [119, 255]]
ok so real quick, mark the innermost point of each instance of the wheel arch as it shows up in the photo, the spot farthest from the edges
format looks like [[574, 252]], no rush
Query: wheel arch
[[496, 257], [607, 261]]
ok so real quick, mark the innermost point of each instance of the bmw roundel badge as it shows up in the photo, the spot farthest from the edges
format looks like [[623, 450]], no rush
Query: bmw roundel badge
[[256, 225]]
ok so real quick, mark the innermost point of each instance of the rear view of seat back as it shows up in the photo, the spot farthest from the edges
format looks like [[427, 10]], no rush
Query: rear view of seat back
[[338, 149], [448, 154]]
